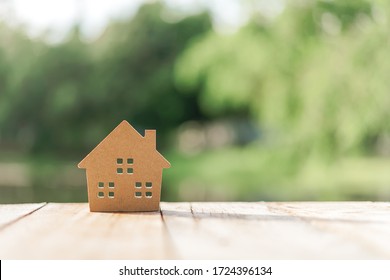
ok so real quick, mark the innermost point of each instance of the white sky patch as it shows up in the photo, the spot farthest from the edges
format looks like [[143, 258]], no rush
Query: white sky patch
[[96, 17], [59, 16], [56, 17], [227, 15], [228, 18], [40, 15]]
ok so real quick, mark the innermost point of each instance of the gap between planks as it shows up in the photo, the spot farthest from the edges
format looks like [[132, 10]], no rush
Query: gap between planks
[[70, 231], [319, 230], [12, 213]]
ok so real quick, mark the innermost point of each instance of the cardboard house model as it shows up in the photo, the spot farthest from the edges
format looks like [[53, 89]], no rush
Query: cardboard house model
[[124, 172]]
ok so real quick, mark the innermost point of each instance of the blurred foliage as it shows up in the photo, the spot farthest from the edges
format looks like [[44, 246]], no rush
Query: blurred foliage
[[62, 98], [313, 79]]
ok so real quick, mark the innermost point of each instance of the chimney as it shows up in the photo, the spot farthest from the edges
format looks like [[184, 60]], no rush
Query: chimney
[[150, 137]]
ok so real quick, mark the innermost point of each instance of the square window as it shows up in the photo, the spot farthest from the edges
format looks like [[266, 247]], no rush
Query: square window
[[101, 185], [119, 160], [130, 161], [111, 194], [148, 184], [129, 170], [138, 194], [100, 194], [148, 194], [138, 184], [111, 184], [119, 170]]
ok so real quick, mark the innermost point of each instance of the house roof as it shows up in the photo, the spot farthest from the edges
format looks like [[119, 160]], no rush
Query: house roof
[[122, 135]]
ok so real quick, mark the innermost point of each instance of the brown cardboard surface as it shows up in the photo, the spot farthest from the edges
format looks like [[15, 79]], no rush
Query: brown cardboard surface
[[124, 171]]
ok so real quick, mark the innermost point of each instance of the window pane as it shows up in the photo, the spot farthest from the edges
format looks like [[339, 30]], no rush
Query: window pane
[[100, 194], [119, 170], [111, 184], [119, 160], [130, 170], [101, 185], [148, 194], [111, 194], [138, 194], [130, 161], [148, 184], [138, 184]]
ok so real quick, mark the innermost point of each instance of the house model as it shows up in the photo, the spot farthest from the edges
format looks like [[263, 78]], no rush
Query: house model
[[124, 172]]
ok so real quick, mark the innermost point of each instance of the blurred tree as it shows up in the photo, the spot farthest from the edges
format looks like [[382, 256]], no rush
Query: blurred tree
[[17, 52], [3, 90], [63, 98], [45, 95], [315, 76], [134, 76]]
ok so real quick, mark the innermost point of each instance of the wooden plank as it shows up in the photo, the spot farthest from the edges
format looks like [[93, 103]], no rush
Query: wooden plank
[[301, 230], [70, 231], [268, 231], [335, 211], [364, 223], [207, 230], [10, 213]]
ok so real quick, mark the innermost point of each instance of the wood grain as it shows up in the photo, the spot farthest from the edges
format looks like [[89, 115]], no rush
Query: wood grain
[[70, 231], [279, 230], [203, 230], [9, 213]]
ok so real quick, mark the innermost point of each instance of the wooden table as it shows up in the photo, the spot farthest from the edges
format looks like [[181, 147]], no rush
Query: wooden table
[[256, 230]]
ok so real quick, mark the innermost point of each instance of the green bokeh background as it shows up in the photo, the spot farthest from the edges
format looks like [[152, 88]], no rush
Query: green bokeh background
[[293, 106]]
